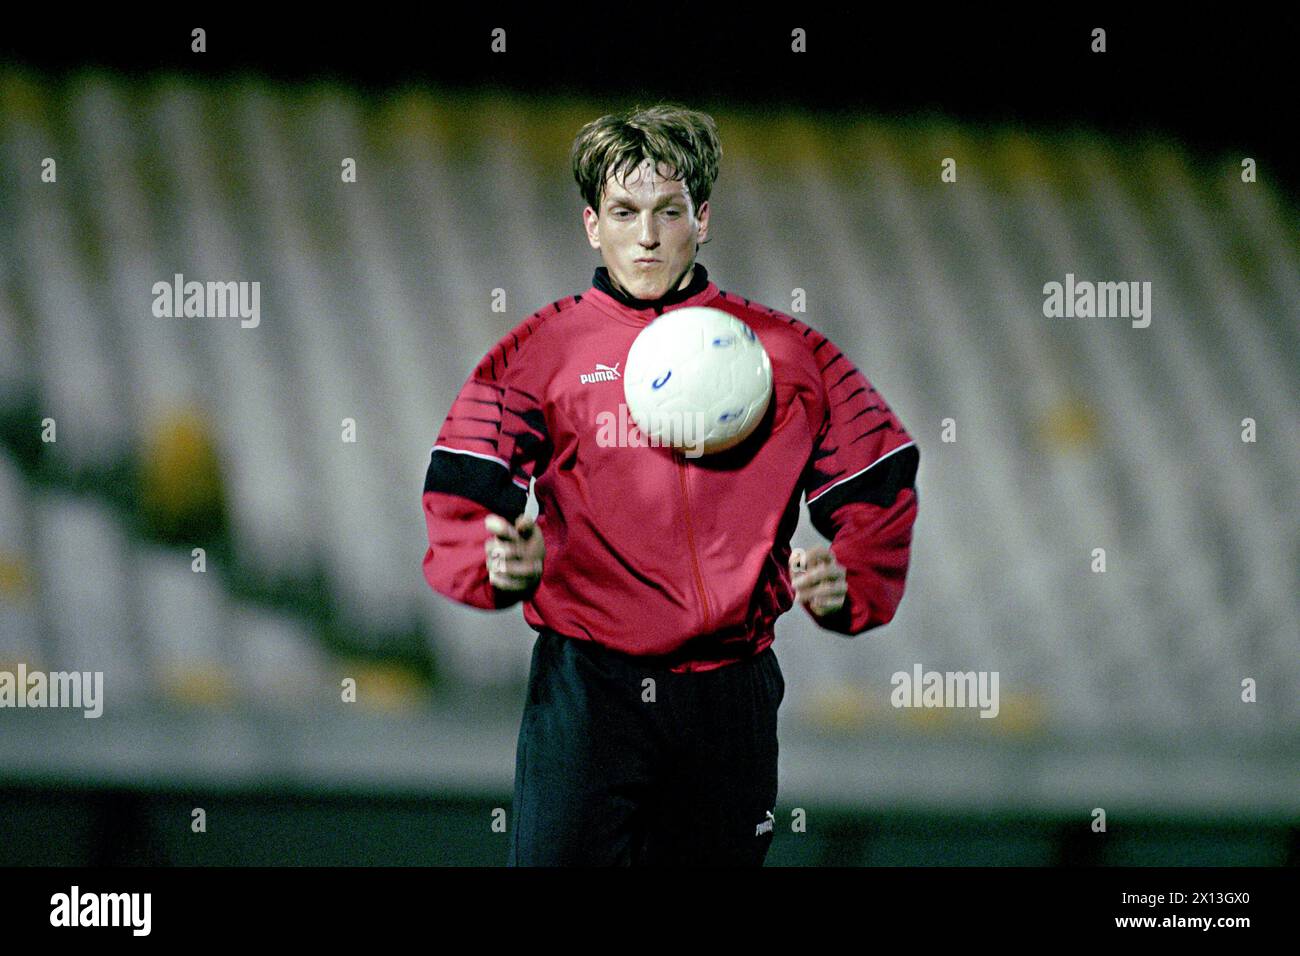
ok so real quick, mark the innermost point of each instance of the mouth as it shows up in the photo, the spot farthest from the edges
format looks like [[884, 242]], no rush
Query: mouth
[[646, 262]]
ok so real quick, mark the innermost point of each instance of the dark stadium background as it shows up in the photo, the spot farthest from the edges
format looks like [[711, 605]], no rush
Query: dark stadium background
[[1119, 692]]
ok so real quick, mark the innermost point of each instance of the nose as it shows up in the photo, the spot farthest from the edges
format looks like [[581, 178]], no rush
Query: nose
[[649, 236]]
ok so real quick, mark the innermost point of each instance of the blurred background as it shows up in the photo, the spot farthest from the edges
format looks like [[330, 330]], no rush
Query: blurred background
[[1119, 690]]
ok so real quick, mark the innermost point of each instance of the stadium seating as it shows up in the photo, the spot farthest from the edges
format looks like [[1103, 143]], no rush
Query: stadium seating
[[376, 303]]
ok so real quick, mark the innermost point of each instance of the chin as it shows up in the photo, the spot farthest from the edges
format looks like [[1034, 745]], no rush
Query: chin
[[641, 290]]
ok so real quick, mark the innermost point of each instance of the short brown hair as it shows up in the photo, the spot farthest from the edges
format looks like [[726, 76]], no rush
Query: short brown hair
[[685, 140]]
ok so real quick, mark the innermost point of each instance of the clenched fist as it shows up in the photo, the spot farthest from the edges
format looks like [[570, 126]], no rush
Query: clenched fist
[[515, 553], [819, 580]]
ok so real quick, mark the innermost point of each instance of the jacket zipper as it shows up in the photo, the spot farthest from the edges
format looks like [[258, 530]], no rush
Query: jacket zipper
[[690, 537]]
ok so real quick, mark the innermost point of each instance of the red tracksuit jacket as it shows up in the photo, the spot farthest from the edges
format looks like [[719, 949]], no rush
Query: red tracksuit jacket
[[649, 552]]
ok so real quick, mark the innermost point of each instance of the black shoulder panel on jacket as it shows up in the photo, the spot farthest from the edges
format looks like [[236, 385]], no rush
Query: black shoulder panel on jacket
[[478, 479], [878, 485]]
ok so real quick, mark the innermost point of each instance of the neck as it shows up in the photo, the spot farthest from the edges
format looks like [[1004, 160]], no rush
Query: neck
[[693, 279], [680, 283]]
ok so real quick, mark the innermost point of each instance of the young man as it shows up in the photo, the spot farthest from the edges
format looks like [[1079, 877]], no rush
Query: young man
[[654, 579]]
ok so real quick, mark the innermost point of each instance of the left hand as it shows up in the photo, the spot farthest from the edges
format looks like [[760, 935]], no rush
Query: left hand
[[819, 581]]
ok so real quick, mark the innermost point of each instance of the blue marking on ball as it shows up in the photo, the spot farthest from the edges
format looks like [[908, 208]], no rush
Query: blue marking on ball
[[723, 341], [659, 382]]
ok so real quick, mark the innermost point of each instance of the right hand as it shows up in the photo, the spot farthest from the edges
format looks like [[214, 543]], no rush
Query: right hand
[[515, 553]]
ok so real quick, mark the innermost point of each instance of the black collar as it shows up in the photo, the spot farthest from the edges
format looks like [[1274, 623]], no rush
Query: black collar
[[699, 282]]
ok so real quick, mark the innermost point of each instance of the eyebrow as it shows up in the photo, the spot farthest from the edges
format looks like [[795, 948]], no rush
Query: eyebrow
[[614, 201]]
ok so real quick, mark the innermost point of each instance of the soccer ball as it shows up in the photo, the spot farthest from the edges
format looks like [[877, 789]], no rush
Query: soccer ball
[[698, 379]]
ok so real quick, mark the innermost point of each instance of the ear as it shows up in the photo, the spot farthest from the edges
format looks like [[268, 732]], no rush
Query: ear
[[703, 217], [590, 220]]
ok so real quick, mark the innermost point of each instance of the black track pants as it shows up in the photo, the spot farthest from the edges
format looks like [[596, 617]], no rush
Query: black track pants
[[605, 775]]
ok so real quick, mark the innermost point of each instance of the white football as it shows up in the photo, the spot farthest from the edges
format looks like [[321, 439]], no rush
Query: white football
[[697, 379]]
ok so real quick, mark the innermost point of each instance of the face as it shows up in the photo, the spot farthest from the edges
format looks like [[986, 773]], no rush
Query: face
[[649, 218]]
